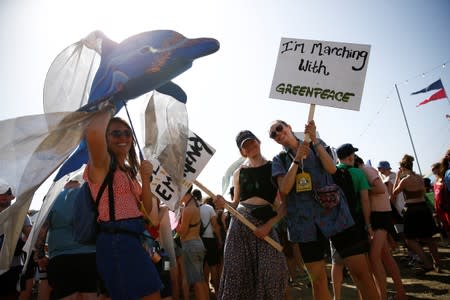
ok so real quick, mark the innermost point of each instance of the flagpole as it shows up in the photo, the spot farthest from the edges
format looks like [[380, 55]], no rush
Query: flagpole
[[407, 127]]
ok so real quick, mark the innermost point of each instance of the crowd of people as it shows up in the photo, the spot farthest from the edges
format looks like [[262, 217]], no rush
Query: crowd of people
[[318, 208]]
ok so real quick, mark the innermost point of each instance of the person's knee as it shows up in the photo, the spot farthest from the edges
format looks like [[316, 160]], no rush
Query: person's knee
[[319, 279]]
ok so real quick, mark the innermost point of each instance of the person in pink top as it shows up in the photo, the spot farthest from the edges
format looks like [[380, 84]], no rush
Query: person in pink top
[[381, 224], [442, 213], [124, 265]]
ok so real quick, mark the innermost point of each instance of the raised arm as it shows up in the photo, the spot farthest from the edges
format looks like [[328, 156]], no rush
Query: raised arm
[[286, 182], [95, 135], [149, 201], [325, 158], [399, 186]]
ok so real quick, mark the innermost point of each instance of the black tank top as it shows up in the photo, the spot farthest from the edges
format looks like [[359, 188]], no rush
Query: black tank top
[[413, 194], [257, 182]]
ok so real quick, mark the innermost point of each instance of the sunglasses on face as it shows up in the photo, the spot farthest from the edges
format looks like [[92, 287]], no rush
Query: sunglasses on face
[[120, 133], [278, 129]]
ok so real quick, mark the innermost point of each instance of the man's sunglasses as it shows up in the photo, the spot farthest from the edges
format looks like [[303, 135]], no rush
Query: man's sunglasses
[[120, 133], [278, 129]]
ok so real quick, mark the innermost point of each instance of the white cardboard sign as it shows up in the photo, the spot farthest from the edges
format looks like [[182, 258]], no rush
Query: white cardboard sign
[[320, 72], [198, 154]]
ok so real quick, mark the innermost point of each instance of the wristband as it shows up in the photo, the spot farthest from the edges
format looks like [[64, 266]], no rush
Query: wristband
[[316, 144], [296, 162], [368, 226], [42, 274]]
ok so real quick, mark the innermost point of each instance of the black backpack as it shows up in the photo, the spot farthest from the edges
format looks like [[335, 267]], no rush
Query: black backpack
[[343, 178]]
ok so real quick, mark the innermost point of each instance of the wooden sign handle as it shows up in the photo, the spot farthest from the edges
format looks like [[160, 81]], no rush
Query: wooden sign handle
[[241, 218], [312, 108]]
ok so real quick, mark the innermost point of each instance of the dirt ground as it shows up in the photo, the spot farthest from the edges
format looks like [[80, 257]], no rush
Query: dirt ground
[[432, 285]]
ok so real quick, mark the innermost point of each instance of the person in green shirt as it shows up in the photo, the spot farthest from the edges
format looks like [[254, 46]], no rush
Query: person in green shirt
[[360, 209]]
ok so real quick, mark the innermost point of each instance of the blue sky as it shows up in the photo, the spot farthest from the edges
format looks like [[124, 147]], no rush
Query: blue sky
[[228, 91]]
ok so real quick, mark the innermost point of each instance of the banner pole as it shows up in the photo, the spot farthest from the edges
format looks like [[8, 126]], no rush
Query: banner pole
[[239, 216], [407, 127], [312, 109]]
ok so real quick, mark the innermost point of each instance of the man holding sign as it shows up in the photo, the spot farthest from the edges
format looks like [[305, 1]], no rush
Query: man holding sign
[[331, 74]]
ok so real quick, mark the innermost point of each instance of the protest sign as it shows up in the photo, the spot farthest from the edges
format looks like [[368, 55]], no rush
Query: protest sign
[[198, 154], [320, 73]]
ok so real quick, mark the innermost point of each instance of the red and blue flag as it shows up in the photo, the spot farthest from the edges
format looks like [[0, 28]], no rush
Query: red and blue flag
[[440, 94]]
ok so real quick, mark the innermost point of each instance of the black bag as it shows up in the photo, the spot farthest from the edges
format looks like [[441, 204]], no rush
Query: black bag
[[85, 212], [263, 213], [343, 179]]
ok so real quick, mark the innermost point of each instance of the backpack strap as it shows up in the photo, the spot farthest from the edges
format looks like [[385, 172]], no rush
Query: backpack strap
[[107, 182], [204, 227], [101, 190], [109, 179]]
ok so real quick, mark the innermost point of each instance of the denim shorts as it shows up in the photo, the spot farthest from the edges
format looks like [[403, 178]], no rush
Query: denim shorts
[[123, 264], [193, 256]]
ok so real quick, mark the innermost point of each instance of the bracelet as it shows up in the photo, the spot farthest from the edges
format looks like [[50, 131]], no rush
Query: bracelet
[[42, 274], [316, 144], [296, 162], [368, 226]]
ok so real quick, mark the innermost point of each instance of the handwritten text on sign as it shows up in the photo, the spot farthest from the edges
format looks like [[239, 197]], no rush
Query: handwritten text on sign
[[320, 72], [198, 154]]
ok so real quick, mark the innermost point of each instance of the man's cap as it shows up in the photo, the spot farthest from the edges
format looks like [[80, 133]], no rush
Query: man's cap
[[384, 165], [6, 188], [244, 136], [345, 150]]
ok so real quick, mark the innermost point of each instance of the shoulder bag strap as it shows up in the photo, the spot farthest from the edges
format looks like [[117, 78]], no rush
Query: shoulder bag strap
[[209, 222], [101, 190], [109, 179]]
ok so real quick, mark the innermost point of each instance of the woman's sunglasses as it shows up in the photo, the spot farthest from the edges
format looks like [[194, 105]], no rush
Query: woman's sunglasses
[[120, 133], [278, 129]]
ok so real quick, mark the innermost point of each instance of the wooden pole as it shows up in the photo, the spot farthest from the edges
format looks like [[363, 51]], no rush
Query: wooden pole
[[240, 217], [312, 108]]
